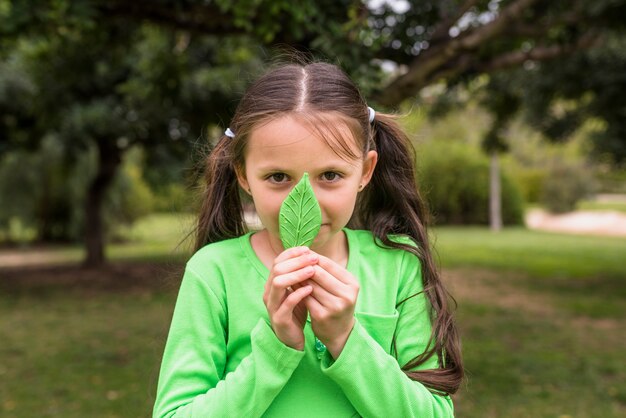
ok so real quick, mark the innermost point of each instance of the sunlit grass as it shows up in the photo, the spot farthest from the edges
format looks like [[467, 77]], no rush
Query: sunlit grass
[[603, 206], [540, 254]]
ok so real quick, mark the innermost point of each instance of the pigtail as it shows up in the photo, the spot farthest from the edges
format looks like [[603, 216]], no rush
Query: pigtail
[[391, 204], [221, 214]]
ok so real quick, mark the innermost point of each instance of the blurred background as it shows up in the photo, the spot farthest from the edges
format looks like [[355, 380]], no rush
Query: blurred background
[[517, 112]]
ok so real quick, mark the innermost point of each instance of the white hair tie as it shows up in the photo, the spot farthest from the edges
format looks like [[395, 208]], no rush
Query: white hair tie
[[372, 113], [229, 133]]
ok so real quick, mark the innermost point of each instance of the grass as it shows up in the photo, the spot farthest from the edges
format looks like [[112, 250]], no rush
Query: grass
[[608, 206], [158, 237], [78, 352], [540, 254], [523, 364], [586, 274], [541, 317]]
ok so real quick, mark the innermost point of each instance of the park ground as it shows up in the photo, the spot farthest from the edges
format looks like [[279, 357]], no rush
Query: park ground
[[541, 316]]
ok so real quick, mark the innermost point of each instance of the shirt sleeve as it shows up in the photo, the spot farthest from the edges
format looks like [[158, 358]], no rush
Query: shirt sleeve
[[192, 381], [372, 379]]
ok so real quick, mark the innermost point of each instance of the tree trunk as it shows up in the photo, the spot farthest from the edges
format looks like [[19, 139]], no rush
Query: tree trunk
[[495, 196], [109, 159]]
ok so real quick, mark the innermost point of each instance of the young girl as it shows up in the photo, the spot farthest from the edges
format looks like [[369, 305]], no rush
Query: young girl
[[356, 325]]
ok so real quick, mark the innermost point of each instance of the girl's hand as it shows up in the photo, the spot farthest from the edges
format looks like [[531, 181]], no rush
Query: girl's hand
[[331, 304], [287, 315]]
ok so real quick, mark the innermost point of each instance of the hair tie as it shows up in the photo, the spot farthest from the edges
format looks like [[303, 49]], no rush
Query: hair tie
[[372, 113], [229, 133]]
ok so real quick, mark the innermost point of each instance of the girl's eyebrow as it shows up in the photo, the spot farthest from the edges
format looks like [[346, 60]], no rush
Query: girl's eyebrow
[[272, 169]]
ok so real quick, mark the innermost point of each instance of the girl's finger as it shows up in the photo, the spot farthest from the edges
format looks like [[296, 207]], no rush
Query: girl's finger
[[284, 312], [278, 286], [335, 270], [323, 297], [328, 282], [315, 308], [295, 263], [291, 253], [293, 278]]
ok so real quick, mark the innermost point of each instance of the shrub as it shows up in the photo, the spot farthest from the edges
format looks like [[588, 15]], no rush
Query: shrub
[[175, 197], [129, 197], [40, 191], [566, 183], [454, 179], [531, 182]]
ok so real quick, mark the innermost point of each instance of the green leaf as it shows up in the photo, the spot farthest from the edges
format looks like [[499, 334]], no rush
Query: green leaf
[[300, 217]]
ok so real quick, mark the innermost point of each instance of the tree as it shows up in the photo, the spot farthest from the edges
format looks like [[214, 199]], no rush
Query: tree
[[113, 88], [94, 44]]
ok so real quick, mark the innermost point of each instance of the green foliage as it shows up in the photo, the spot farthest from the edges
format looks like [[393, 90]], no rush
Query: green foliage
[[174, 197], [611, 181], [565, 184], [559, 97], [38, 191], [531, 182], [129, 198], [454, 178], [557, 176], [102, 90]]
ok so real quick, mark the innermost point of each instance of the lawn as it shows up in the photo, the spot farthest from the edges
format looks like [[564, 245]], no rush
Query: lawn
[[608, 206], [541, 316]]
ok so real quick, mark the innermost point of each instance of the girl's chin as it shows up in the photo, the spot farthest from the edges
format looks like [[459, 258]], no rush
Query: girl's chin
[[321, 240], [323, 237]]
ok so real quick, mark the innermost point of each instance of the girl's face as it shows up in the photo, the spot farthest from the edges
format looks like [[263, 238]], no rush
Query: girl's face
[[278, 153]]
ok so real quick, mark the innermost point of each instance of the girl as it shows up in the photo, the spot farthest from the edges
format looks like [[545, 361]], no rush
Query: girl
[[356, 325]]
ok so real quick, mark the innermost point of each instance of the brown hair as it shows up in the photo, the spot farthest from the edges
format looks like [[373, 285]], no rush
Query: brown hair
[[389, 205]]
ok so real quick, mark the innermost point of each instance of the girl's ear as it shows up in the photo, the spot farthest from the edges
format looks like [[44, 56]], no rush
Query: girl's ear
[[242, 179], [369, 164]]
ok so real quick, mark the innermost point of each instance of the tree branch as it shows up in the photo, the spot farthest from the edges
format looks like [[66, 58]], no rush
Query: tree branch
[[425, 65], [207, 19], [442, 29], [467, 63], [539, 53]]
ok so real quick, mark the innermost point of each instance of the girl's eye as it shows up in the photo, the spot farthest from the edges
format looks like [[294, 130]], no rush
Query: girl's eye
[[278, 177], [331, 176]]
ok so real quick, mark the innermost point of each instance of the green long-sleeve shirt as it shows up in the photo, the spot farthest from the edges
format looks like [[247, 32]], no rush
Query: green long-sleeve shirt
[[222, 358]]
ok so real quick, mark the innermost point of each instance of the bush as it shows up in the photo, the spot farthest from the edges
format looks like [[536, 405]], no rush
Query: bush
[[41, 192], [566, 183], [611, 180], [175, 197], [454, 179], [531, 182], [554, 175], [37, 193], [129, 197]]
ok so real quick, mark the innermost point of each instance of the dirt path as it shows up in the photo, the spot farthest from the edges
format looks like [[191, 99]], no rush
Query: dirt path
[[34, 257], [607, 223]]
